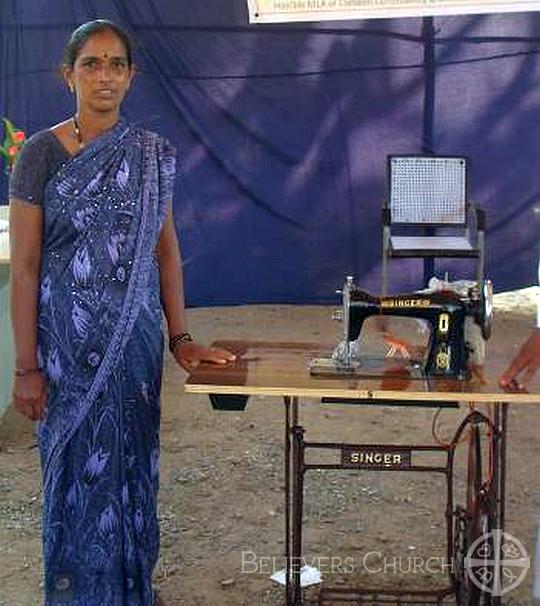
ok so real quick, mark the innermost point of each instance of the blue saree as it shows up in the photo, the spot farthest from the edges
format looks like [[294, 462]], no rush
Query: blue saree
[[101, 346]]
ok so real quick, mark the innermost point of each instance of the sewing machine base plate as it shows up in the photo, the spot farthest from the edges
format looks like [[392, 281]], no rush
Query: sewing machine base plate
[[366, 366]]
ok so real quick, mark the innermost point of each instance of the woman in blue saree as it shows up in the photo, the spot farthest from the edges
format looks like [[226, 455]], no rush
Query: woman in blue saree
[[95, 263]]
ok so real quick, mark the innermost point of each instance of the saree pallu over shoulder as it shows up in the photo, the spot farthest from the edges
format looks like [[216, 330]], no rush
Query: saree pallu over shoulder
[[103, 211]]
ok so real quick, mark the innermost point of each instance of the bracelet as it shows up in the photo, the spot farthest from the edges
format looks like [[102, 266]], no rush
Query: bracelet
[[181, 337], [22, 372]]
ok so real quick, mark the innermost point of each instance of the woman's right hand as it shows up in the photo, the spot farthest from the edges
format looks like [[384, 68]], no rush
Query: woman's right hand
[[30, 394]]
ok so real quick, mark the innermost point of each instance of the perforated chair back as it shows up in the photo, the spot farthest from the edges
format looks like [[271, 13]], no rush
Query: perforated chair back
[[427, 190], [428, 206]]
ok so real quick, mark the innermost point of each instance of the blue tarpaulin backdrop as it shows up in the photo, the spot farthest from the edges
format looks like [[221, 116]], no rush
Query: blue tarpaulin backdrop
[[283, 131]]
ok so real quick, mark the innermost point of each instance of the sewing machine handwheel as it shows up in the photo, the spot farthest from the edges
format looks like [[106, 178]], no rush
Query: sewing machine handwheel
[[486, 308], [473, 547], [468, 532]]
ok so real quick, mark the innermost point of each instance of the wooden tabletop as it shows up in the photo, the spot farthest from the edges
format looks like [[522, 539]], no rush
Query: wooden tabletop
[[281, 369]]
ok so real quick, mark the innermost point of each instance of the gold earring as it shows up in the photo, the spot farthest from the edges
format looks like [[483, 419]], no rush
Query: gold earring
[[71, 88]]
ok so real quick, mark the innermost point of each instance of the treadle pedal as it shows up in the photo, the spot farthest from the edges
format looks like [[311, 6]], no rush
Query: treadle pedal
[[338, 596]]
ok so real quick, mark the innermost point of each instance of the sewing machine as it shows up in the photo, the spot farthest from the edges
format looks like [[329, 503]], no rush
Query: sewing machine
[[457, 324]]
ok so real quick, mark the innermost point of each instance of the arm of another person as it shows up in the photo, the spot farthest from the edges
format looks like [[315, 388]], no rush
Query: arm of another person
[[187, 354], [527, 361], [524, 366], [25, 237]]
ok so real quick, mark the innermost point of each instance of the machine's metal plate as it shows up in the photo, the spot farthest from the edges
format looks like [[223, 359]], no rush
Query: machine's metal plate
[[368, 366]]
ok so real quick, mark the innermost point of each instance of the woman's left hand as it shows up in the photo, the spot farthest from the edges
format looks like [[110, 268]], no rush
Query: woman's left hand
[[189, 354]]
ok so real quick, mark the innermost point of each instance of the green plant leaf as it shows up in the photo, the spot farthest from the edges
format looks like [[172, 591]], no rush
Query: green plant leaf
[[10, 128]]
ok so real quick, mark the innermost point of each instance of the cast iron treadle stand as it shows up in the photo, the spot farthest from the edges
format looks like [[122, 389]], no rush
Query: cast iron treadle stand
[[482, 512]]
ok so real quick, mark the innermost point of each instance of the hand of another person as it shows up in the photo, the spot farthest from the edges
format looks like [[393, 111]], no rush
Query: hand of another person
[[30, 395], [189, 354], [523, 367]]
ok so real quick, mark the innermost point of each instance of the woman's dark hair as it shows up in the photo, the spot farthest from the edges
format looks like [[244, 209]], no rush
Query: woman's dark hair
[[85, 31]]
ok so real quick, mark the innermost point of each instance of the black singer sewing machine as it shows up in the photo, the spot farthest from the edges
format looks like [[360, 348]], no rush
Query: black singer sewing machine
[[458, 325]]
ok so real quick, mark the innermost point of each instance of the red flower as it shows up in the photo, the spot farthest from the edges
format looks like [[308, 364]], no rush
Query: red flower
[[19, 136], [12, 151]]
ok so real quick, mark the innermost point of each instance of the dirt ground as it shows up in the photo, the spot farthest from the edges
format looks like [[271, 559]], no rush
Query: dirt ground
[[221, 500]]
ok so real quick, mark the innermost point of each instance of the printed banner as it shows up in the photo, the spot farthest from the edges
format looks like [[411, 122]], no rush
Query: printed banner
[[274, 11]]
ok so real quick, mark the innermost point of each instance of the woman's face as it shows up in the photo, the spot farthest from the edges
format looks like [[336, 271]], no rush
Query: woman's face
[[101, 75]]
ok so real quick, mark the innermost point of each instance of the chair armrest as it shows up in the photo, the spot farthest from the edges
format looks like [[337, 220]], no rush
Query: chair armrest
[[480, 216]]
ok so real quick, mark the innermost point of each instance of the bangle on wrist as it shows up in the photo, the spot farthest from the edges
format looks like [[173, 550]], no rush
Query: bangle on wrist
[[181, 337], [22, 372]]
